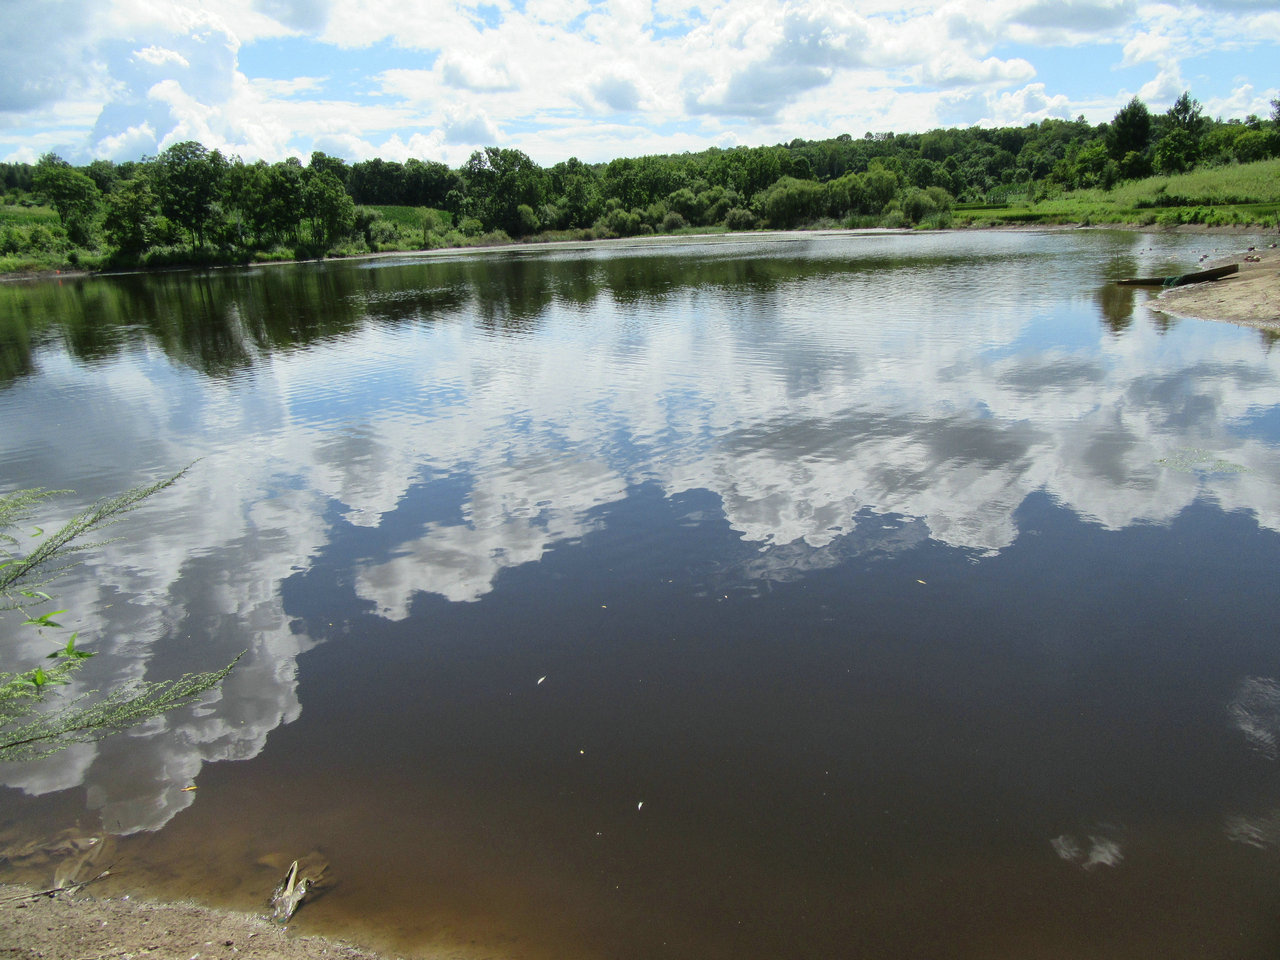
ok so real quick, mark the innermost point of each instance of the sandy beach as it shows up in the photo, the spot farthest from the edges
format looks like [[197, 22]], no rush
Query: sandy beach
[[1249, 298]]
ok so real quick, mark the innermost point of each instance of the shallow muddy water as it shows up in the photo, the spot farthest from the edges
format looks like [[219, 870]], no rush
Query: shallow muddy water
[[856, 595]]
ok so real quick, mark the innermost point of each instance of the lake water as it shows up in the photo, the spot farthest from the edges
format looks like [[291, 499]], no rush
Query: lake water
[[896, 595]]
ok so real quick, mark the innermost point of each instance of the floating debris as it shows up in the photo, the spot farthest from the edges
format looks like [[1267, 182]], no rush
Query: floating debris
[[298, 883], [1200, 461]]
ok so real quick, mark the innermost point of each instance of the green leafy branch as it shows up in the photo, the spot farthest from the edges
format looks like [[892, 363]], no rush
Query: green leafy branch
[[30, 726], [28, 733], [21, 577]]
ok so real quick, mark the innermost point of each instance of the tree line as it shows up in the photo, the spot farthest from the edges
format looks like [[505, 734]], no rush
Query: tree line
[[190, 203]]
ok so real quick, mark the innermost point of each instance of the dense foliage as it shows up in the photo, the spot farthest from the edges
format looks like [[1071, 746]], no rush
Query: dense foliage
[[191, 204]]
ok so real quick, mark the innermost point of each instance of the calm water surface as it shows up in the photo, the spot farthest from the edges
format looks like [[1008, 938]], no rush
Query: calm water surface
[[869, 596]]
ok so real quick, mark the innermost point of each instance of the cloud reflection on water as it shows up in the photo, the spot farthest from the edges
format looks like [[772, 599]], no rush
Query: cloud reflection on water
[[821, 413]]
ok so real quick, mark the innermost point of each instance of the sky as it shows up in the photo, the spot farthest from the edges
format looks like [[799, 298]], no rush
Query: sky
[[596, 79]]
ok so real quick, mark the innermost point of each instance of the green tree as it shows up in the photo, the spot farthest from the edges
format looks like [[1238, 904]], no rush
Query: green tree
[[763, 166], [1134, 166], [321, 162], [189, 183], [790, 202], [879, 183], [1130, 131], [130, 213], [283, 204], [846, 195], [329, 208], [1256, 145], [104, 174], [71, 193], [501, 181], [577, 189], [427, 183], [1176, 152], [1185, 114], [917, 205]]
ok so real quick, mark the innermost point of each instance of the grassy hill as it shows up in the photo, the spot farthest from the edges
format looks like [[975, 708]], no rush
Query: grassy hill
[[1238, 194]]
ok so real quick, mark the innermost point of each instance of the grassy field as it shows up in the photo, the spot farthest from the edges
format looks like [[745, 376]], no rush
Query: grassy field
[[30, 239], [1240, 194]]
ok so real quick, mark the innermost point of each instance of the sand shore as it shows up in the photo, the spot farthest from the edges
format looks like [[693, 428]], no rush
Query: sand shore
[[1250, 298], [83, 927]]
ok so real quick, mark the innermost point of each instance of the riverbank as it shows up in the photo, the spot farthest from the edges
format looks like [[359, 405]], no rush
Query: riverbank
[[1250, 298], [67, 927]]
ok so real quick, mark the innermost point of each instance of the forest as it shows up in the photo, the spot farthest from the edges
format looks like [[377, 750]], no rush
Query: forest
[[193, 205]]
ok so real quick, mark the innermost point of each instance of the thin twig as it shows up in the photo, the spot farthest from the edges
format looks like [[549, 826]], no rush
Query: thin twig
[[73, 888]]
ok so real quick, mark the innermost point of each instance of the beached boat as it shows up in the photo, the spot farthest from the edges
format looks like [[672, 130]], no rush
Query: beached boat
[[1199, 276]]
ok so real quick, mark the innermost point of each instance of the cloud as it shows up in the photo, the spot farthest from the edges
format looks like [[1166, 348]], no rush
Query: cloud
[[1164, 88], [619, 94], [304, 16], [44, 54], [489, 74], [1030, 104], [1147, 47], [795, 53], [957, 69], [1242, 101], [160, 57], [686, 75], [475, 128], [1088, 17]]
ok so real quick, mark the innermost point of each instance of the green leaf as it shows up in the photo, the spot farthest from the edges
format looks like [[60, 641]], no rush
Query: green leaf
[[44, 620], [69, 652]]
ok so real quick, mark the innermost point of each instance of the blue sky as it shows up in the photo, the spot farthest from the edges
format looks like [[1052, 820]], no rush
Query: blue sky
[[597, 79]]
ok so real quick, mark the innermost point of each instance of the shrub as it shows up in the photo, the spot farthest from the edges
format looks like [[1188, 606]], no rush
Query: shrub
[[673, 222], [917, 205], [1256, 145]]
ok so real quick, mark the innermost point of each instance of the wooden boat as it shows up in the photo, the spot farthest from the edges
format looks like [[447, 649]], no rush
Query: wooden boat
[[1200, 276]]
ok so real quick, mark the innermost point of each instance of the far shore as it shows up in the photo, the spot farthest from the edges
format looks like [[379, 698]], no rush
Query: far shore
[[658, 239], [1251, 298]]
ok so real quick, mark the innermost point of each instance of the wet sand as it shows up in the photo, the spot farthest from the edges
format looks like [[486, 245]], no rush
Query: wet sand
[[1249, 298]]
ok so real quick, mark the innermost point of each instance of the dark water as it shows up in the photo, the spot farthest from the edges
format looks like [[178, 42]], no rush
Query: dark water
[[874, 596]]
